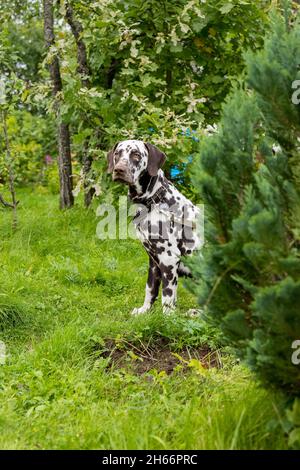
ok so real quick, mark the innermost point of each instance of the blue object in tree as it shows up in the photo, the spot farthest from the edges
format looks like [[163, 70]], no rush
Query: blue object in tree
[[177, 173]]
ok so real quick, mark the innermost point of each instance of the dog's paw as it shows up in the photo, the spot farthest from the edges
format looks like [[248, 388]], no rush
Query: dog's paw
[[140, 310]]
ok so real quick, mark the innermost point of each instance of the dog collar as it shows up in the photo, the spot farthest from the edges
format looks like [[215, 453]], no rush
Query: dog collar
[[156, 198]]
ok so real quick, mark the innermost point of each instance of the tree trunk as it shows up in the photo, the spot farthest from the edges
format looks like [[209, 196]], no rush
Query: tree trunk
[[11, 175], [84, 72], [87, 162], [76, 28], [63, 133], [65, 166]]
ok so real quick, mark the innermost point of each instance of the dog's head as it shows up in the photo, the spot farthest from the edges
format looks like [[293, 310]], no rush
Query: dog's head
[[129, 159]]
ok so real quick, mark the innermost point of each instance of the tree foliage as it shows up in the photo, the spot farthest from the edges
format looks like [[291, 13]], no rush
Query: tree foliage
[[157, 70]]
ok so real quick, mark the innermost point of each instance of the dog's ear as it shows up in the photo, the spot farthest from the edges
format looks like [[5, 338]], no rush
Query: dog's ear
[[110, 159], [156, 159]]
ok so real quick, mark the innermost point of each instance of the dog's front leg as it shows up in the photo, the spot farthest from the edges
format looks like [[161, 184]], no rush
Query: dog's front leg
[[169, 276], [152, 288]]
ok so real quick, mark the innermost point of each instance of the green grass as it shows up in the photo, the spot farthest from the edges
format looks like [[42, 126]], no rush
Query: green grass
[[62, 292]]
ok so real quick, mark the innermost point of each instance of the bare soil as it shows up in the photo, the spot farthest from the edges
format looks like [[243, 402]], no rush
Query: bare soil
[[142, 358]]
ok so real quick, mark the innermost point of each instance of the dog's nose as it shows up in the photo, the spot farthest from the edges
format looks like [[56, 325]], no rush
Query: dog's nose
[[121, 173], [120, 170]]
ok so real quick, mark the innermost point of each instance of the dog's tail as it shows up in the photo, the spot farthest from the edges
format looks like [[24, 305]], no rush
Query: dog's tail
[[184, 270]]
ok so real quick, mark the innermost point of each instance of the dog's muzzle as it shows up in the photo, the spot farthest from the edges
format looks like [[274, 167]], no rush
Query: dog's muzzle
[[122, 174]]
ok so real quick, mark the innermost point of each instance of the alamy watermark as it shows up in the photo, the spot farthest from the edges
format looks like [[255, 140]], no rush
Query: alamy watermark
[[295, 358], [296, 354], [296, 94], [159, 221], [2, 353]]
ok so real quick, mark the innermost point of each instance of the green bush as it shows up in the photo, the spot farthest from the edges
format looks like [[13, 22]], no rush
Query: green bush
[[32, 138], [249, 270]]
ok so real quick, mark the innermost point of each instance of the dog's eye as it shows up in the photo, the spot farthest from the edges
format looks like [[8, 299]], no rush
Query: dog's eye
[[135, 157]]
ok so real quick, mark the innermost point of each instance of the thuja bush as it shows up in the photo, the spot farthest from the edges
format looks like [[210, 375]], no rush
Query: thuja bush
[[248, 175]]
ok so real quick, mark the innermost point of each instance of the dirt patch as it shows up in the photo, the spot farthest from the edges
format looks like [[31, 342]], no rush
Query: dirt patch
[[144, 357]]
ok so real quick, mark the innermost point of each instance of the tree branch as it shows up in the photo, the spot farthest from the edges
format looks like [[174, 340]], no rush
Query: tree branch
[[84, 72], [76, 28], [5, 203], [11, 175]]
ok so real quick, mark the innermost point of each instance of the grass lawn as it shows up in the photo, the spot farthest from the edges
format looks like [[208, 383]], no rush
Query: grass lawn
[[63, 292]]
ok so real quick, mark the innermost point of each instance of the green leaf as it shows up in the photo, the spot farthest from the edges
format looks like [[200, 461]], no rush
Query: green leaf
[[226, 8], [176, 48], [197, 26]]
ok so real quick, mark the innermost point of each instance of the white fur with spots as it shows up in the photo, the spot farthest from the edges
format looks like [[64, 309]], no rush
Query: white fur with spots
[[165, 219]]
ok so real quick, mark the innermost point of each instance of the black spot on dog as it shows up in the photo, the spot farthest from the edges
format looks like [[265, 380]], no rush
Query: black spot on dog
[[168, 292], [159, 249], [167, 271], [172, 201]]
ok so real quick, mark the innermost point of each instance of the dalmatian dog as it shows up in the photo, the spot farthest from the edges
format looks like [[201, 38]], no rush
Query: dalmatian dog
[[165, 220]]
